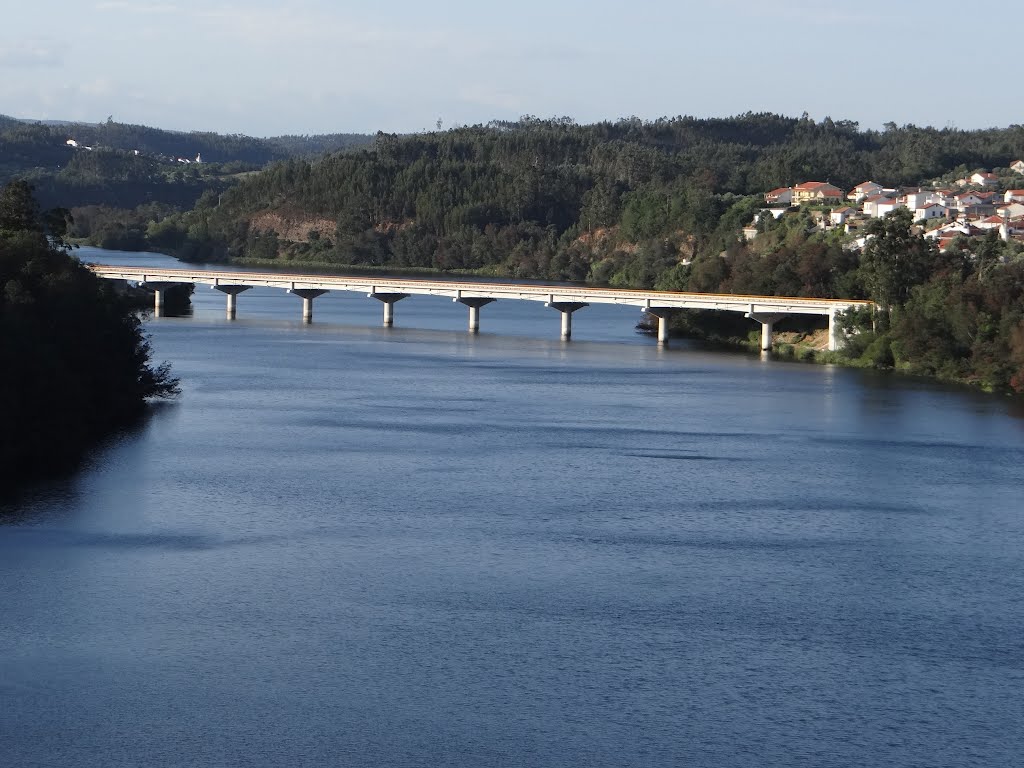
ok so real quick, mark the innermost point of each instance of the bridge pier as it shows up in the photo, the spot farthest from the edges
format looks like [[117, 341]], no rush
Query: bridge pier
[[474, 303], [232, 291], [767, 321], [159, 295], [388, 299], [835, 335], [307, 295], [664, 314], [567, 308]]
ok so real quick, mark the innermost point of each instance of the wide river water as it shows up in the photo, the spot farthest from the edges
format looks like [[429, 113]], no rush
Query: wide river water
[[350, 545]]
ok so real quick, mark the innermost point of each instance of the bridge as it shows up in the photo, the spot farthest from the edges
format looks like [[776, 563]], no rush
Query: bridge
[[766, 310]]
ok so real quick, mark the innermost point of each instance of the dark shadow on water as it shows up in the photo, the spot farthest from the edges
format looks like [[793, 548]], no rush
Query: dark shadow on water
[[60, 482]]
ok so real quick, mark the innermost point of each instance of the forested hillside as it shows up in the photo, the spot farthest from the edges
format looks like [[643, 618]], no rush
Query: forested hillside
[[657, 205], [621, 202], [124, 166]]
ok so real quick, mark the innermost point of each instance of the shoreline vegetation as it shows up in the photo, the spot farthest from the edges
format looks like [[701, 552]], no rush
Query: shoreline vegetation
[[80, 365]]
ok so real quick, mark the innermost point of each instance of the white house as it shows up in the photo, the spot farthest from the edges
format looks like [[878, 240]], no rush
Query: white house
[[930, 211], [870, 206], [967, 199], [1013, 194], [780, 196], [989, 222], [919, 199], [1012, 210], [883, 208], [71, 143], [1018, 166], [984, 179], [840, 215], [863, 191]]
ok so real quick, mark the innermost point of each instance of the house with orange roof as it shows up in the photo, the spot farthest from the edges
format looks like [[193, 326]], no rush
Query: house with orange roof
[[989, 222], [816, 192], [1012, 195]]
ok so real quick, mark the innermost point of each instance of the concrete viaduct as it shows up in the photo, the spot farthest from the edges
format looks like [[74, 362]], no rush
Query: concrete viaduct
[[766, 310]]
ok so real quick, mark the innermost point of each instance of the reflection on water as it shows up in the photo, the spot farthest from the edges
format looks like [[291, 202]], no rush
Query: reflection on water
[[353, 545]]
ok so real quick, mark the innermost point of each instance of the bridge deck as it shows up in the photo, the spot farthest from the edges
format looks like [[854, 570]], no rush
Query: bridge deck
[[469, 290]]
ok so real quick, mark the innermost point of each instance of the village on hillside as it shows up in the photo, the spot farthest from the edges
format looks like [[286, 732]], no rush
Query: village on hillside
[[968, 207]]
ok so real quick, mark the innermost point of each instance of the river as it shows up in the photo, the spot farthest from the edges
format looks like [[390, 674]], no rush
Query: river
[[350, 545]]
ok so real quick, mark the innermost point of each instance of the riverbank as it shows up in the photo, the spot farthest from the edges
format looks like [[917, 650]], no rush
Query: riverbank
[[812, 347]]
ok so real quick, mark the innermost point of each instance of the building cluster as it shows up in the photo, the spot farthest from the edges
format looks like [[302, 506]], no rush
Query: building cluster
[[969, 207]]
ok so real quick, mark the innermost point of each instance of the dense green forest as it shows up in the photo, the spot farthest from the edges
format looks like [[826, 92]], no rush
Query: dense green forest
[[78, 365], [620, 202]]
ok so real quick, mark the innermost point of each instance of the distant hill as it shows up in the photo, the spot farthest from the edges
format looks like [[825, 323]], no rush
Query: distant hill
[[124, 165]]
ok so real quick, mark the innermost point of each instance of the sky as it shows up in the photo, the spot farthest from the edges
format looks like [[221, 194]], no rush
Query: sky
[[312, 66]]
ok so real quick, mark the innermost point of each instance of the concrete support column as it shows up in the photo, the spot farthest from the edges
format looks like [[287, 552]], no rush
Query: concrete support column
[[767, 321], [159, 295], [664, 314], [388, 299], [834, 333], [232, 291], [307, 295], [474, 303], [567, 308]]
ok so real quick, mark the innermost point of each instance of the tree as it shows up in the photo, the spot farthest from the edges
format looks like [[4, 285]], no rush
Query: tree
[[894, 260], [76, 361]]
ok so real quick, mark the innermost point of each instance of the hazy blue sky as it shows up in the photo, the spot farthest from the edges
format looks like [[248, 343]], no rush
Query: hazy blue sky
[[313, 66]]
